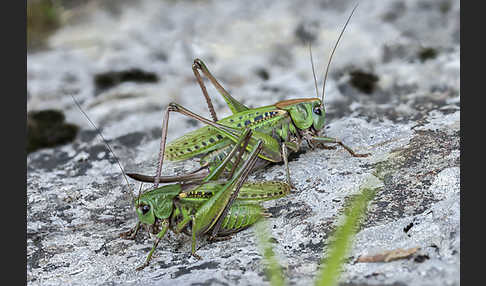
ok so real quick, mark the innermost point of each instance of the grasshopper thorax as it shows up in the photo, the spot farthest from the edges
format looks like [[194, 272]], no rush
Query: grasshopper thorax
[[307, 114]]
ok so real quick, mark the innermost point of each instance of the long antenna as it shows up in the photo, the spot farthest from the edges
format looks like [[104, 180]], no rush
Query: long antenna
[[313, 71], [102, 137], [139, 193], [334, 49]]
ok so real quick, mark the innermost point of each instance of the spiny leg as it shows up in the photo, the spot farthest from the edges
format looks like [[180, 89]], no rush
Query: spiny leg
[[239, 157], [294, 148], [233, 104], [335, 140], [195, 67], [286, 163], [163, 139], [239, 147], [193, 244], [165, 227]]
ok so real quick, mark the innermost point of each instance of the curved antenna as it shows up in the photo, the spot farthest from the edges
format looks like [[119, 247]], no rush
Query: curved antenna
[[334, 49], [103, 138], [313, 71], [139, 193]]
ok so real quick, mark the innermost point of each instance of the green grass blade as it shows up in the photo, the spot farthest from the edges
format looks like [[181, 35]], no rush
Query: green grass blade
[[342, 239], [273, 270]]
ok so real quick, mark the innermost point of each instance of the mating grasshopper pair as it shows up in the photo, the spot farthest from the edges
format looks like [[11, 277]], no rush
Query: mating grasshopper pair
[[282, 127], [206, 205]]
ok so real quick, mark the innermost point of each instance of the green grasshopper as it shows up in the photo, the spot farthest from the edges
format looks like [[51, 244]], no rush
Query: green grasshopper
[[214, 208], [282, 127]]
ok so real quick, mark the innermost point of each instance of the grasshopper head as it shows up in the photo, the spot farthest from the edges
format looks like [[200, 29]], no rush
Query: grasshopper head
[[305, 112], [156, 204], [318, 115], [145, 212]]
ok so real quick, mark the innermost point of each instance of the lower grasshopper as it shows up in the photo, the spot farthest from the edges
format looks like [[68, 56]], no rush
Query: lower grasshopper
[[214, 208], [282, 127]]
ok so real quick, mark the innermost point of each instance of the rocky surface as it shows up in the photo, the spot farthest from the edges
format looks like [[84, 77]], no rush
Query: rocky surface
[[393, 91]]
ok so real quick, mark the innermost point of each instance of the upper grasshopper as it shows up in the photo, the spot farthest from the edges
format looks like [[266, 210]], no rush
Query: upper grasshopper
[[282, 127]]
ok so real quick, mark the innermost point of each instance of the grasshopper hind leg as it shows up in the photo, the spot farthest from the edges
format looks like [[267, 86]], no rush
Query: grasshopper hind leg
[[165, 227]]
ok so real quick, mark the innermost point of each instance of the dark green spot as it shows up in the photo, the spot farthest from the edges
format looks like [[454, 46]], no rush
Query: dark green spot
[[427, 53], [204, 143], [47, 128], [188, 150], [219, 136], [211, 140], [259, 117], [239, 125], [247, 122]]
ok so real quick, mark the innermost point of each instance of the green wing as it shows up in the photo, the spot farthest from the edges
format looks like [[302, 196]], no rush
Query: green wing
[[209, 138]]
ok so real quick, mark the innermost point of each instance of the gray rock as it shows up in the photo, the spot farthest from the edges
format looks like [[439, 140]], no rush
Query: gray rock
[[385, 95]]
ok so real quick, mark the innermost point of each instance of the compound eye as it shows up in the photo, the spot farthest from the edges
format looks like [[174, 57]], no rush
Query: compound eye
[[317, 110], [145, 209]]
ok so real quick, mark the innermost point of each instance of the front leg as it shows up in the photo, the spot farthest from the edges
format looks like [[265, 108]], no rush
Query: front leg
[[335, 140], [165, 227], [294, 147], [193, 245]]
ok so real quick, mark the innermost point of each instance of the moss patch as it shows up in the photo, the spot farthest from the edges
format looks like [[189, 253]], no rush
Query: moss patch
[[47, 128]]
